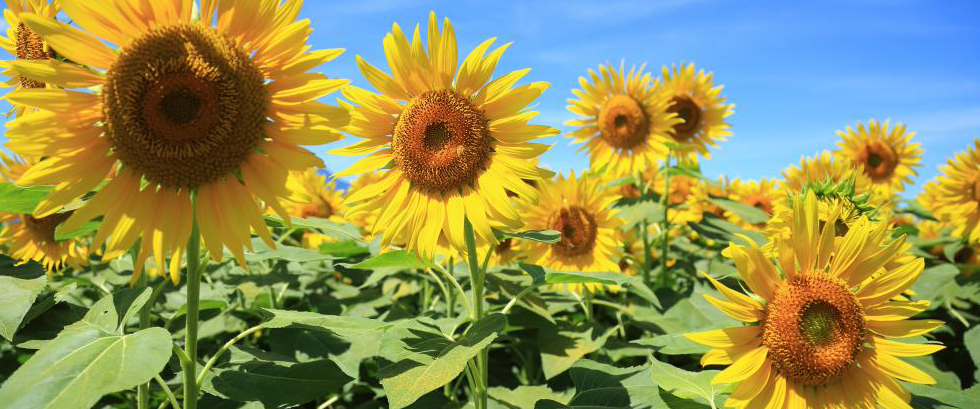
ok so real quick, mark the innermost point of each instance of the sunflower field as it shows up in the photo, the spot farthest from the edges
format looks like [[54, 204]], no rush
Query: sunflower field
[[168, 240]]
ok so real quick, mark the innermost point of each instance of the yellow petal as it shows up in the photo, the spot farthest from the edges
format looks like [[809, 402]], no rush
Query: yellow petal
[[890, 284], [727, 337], [744, 367], [77, 45], [735, 310], [895, 310], [903, 329], [902, 349], [57, 100]]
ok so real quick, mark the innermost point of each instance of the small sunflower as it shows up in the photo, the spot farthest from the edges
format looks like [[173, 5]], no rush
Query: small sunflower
[[312, 196], [687, 197], [452, 141], [819, 322], [624, 125], [579, 208], [25, 44], [761, 194], [216, 107], [31, 238], [884, 154], [695, 99], [824, 167], [954, 195]]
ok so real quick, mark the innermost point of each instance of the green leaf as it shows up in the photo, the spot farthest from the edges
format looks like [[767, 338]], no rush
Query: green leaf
[[674, 344], [971, 340], [86, 361], [602, 386], [340, 325], [649, 211], [523, 396], [261, 251], [716, 228], [682, 383], [277, 383], [345, 248], [930, 397], [399, 258], [21, 199], [429, 360], [913, 207], [85, 228], [340, 231], [542, 276], [16, 297], [744, 211], [937, 283], [542, 236], [563, 345]]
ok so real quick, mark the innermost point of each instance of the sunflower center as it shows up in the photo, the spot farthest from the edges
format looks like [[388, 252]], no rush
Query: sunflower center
[[322, 210], [762, 203], [442, 141], [879, 160], [184, 105], [30, 46], [689, 111], [623, 123], [43, 229], [814, 329], [578, 231]]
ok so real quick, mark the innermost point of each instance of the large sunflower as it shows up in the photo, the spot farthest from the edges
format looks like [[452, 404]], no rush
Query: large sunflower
[[25, 44], [819, 337], [695, 99], [312, 196], [579, 208], [884, 154], [453, 143], [954, 196], [30, 238], [625, 124], [184, 108]]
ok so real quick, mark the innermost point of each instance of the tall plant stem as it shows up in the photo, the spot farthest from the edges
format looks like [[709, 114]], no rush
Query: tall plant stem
[[194, 270], [477, 275], [143, 390], [664, 253]]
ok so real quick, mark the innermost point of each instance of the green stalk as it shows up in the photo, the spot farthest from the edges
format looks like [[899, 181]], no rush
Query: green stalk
[[194, 270], [476, 278], [644, 227], [143, 390]]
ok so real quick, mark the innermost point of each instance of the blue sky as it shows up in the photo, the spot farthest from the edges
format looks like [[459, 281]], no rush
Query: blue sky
[[796, 71]]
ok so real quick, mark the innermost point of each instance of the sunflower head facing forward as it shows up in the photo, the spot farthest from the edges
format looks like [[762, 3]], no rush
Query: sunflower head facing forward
[[818, 329], [453, 141], [624, 124], [883, 153], [215, 108], [697, 102], [580, 208]]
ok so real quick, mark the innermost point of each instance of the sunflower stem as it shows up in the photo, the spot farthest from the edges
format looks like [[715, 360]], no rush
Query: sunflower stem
[[477, 276], [664, 253], [647, 260], [194, 270], [143, 390]]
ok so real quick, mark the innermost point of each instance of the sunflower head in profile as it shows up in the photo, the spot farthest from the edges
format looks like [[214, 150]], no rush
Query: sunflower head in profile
[[216, 108], [312, 196], [954, 195], [452, 141], [624, 124], [819, 324], [26, 45], [580, 208], [31, 238], [883, 153], [692, 95], [761, 194]]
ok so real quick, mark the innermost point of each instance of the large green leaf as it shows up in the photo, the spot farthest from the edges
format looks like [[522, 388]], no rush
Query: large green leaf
[[428, 359], [21, 199], [86, 361], [275, 381], [602, 386], [16, 297], [340, 231], [684, 384], [930, 397], [561, 346], [523, 396], [398, 258], [261, 251], [542, 276]]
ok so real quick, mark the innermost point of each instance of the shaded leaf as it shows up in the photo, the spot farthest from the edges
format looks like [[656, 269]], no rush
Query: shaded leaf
[[542, 236], [744, 211]]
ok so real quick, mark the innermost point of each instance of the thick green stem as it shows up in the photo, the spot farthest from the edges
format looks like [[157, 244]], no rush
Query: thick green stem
[[476, 279], [664, 253], [143, 390], [194, 270]]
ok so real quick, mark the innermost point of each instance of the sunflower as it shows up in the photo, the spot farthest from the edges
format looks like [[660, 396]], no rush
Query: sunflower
[[954, 195], [884, 154], [824, 167], [624, 125], [688, 197], [579, 208], [184, 108], [312, 196], [453, 143], [30, 238], [761, 194], [695, 99], [25, 44], [819, 337]]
